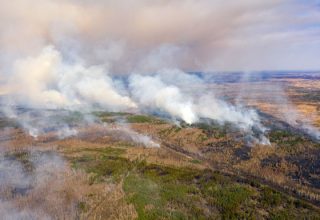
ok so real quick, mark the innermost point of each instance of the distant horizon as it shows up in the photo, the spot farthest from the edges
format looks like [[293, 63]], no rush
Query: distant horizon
[[147, 36]]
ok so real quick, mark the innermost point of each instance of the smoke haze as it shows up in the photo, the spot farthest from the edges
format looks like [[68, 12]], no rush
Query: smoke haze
[[132, 56], [61, 61], [36, 189], [144, 36]]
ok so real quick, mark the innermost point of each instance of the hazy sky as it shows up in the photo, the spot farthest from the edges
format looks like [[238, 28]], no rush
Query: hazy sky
[[146, 35]]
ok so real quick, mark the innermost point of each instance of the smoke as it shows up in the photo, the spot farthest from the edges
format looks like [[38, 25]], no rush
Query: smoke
[[37, 122], [146, 36], [294, 118], [46, 81], [153, 94], [123, 132], [55, 58], [68, 56], [35, 185], [254, 90], [49, 83]]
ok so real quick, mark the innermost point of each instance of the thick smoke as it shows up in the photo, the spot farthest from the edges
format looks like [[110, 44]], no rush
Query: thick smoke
[[46, 81], [147, 35], [53, 57], [50, 83], [150, 92], [45, 91], [153, 94], [63, 59]]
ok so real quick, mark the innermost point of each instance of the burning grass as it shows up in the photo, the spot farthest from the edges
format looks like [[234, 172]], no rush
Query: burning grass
[[123, 180]]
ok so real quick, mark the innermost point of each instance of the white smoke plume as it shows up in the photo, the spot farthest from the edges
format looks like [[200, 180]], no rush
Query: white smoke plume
[[46, 81], [119, 131], [53, 57], [123, 132], [153, 94]]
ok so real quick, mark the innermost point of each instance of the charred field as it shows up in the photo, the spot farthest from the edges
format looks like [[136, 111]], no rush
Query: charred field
[[124, 165]]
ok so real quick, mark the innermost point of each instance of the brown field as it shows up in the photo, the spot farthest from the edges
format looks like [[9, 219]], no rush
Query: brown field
[[204, 171]]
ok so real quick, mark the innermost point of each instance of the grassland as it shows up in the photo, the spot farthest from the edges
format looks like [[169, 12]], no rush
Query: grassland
[[158, 191], [203, 171]]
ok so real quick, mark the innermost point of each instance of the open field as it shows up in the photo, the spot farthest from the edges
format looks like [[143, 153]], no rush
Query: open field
[[276, 94], [137, 166], [117, 180]]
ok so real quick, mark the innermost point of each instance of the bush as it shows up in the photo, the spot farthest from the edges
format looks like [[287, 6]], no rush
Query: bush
[[270, 197]]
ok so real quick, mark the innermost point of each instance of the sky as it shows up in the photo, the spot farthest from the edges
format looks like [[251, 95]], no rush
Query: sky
[[131, 36]]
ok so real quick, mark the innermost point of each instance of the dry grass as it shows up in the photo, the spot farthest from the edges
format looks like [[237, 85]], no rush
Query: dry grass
[[69, 194], [162, 156], [49, 190], [109, 203]]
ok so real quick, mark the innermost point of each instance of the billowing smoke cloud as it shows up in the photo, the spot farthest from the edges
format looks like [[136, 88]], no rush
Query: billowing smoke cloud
[[145, 35], [154, 95], [80, 55], [151, 92], [54, 57], [49, 82], [46, 81]]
